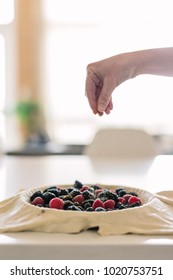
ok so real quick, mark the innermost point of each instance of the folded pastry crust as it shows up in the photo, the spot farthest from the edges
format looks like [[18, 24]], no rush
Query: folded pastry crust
[[154, 216]]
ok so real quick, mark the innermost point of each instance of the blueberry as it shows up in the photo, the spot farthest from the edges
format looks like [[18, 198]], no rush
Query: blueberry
[[100, 209], [47, 196], [89, 209], [73, 207], [55, 192], [122, 193], [119, 189], [36, 194], [50, 188]]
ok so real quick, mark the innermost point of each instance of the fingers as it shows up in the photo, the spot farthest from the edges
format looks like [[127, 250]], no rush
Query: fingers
[[92, 89], [90, 93], [109, 107], [99, 95], [105, 99]]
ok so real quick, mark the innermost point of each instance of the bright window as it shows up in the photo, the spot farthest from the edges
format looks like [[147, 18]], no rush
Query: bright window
[[6, 18], [2, 72], [79, 32], [6, 11]]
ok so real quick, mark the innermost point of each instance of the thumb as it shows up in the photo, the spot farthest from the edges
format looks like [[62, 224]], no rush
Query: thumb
[[104, 99]]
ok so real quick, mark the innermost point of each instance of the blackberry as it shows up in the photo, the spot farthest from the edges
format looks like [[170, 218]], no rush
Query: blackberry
[[80, 207], [63, 192], [67, 203], [91, 189], [75, 192], [76, 204], [106, 194], [90, 201], [66, 197], [112, 195], [95, 187], [70, 189], [47, 196], [36, 194], [78, 185], [120, 206], [88, 195]]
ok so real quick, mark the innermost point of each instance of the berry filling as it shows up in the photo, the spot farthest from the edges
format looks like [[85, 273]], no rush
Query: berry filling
[[82, 197]]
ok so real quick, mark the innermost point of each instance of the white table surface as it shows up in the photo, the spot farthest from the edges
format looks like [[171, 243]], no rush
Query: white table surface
[[16, 173]]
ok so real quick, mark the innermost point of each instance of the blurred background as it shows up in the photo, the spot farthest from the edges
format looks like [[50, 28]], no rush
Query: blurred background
[[45, 46]]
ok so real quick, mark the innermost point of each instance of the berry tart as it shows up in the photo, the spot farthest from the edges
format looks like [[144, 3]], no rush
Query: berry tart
[[79, 207]]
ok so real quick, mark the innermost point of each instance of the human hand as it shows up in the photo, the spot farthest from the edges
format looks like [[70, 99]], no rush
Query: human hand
[[103, 77], [98, 89]]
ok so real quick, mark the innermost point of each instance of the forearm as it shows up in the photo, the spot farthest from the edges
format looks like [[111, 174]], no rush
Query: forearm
[[153, 61]]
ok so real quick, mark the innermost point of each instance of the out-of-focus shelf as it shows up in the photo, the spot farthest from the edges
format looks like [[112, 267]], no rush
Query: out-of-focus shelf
[[47, 149]]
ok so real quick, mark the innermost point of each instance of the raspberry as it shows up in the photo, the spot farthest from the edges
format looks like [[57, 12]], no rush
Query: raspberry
[[78, 198], [110, 203], [126, 197], [134, 199], [122, 200], [98, 191], [57, 203], [84, 188], [98, 203], [38, 201]]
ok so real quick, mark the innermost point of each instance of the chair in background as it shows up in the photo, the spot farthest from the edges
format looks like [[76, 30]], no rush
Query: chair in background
[[121, 143]]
